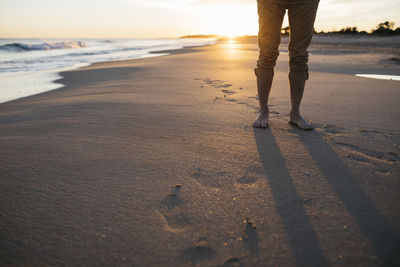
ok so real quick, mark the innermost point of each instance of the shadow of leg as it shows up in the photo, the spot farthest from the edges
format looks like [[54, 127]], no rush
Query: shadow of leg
[[301, 235], [379, 232]]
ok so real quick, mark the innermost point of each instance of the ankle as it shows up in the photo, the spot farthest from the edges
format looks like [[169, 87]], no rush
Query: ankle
[[294, 113]]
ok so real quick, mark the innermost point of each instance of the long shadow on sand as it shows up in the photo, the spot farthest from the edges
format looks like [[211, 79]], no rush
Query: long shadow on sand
[[301, 235], [375, 227]]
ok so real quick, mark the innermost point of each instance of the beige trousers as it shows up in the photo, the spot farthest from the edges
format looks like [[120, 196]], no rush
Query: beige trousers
[[301, 21]]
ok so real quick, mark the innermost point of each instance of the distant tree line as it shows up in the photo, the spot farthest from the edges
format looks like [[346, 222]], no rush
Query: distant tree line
[[382, 29]]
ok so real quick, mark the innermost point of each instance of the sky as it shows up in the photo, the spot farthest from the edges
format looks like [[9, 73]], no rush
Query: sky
[[170, 18]]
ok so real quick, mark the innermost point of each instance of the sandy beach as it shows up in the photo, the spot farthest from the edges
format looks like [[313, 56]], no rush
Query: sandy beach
[[153, 162]]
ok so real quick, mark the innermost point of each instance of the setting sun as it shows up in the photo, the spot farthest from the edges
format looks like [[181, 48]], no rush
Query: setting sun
[[232, 21]]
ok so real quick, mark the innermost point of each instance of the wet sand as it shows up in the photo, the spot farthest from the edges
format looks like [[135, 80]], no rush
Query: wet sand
[[153, 162]]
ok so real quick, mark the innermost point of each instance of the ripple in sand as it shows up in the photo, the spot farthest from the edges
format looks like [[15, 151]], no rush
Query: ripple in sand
[[380, 76]]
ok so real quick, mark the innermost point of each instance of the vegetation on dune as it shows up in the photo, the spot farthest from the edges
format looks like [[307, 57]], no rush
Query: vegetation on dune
[[386, 28], [382, 29]]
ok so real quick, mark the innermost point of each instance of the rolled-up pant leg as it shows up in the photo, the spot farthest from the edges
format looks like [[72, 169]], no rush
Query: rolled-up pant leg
[[270, 16], [301, 20]]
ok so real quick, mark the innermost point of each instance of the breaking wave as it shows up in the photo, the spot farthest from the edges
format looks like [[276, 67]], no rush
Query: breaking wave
[[43, 46]]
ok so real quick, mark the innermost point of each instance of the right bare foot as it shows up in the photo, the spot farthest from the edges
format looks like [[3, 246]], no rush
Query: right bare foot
[[261, 121]]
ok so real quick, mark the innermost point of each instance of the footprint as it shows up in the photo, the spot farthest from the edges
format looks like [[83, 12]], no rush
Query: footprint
[[212, 82], [385, 156], [244, 101], [257, 169], [393, 157], [357, 158], [332, 129], [229, 92], [251, 173], [250, 238], [216, 83], [347, 145], [217, 98], [226, 85], [382, 170], [372, 131], [208, 178], [232, 262], [171, 210], [172, 200], [198, 252]]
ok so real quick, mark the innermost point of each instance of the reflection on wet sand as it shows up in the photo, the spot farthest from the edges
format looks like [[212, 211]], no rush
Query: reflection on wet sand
[[380, 76]]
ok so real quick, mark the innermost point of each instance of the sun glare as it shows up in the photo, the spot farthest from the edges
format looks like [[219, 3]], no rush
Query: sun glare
[[232, 21]]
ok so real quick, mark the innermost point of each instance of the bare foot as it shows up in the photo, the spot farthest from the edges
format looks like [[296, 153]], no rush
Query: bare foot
[[300, 122], [261, 121]]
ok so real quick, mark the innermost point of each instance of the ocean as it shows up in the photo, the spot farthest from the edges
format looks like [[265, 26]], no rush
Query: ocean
[[30, 66]]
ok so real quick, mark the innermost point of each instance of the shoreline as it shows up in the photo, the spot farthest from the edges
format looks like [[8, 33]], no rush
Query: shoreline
[[49, 77], [331, 46]]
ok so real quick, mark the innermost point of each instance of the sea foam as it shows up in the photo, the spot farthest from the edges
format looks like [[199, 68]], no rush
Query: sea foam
[[43, 46]]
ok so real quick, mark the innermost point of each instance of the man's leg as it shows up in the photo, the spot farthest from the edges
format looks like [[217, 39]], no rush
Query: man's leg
[[269, 36], [301, 19]]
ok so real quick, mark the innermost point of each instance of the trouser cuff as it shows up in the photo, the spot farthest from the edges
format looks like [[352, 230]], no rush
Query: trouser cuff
[[268, 73]]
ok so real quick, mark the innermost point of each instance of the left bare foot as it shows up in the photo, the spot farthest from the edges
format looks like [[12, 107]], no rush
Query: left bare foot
[[300, 122]]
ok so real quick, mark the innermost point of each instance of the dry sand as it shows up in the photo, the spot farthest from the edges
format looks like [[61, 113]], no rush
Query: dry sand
[[153, 162]]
